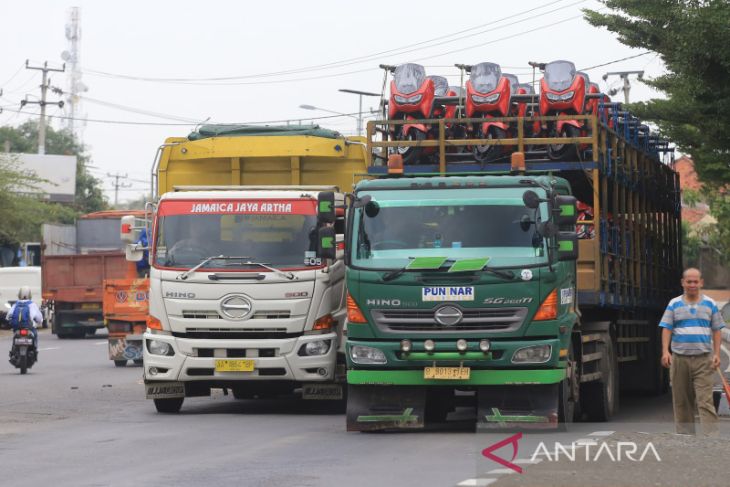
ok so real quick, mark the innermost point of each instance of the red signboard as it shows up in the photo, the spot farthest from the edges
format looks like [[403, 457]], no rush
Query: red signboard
[[237, 207]]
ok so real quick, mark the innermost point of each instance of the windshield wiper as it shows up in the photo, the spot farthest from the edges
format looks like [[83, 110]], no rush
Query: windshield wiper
[[389, 276], [287, 275], [184, 275]]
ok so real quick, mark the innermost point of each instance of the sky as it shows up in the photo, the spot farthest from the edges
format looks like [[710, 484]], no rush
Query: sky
[[155, 69]]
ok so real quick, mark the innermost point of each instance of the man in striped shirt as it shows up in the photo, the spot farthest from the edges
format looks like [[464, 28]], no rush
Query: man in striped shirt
[[692, 324]]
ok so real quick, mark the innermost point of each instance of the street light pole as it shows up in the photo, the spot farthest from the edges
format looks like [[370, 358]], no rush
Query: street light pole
[[359, 112]]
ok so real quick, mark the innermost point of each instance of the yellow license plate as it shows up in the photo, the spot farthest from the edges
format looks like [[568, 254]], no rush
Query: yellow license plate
[[234, 365], [88, 306], [447, 373]]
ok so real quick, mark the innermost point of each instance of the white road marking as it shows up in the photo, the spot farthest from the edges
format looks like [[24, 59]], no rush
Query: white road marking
[[528, 461], [501, 471], [100, 343], [49, 348], [476, 482], [602, 433], [727, 352]]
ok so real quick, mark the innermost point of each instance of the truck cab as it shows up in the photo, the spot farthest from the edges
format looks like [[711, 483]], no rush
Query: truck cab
[[240, 297]]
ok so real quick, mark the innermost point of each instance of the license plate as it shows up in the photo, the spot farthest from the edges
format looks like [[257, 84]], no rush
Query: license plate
[[322, 391], [234, 365], [447, 373], [23, 341], [88, 306]]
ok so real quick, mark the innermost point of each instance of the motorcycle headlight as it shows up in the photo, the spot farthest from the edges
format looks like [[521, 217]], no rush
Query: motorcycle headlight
[[567, 95], [367, 355], [485, 99], [408, 100], [552, 96]]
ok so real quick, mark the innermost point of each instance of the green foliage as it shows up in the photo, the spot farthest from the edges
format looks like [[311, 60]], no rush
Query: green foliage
[[690, 247], [693, 39], [22, 214], [24, 139]]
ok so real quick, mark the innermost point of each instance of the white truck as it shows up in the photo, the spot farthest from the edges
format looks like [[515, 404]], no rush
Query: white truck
[[247, 293]]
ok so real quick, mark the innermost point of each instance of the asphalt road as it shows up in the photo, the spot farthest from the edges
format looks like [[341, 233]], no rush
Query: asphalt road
[[76, 420]]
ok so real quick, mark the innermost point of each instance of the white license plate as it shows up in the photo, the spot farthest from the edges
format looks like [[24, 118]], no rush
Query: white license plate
[[447, 293], [23, 341]]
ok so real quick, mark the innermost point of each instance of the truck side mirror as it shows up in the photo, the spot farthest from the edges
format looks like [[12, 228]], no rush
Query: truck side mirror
[[133, 252], [326, 244], [547, 229], [566, 210], [530, 199], [326, 207], [126, 229], [567, 243]]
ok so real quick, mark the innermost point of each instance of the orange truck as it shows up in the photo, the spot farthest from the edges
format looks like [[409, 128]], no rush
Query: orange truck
[[125, 306], [75, 262]]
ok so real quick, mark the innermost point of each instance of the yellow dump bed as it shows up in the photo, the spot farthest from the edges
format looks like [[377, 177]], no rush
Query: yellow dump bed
[[256, 160]]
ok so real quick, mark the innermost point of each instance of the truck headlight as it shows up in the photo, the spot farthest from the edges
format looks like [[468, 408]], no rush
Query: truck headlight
[[367, 355], [319, 347], [157, 347], [536, 354]]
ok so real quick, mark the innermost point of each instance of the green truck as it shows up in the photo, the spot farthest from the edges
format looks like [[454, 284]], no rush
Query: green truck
[[527, 290]]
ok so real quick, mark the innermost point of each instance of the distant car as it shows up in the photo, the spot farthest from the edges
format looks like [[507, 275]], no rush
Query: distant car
[[11, 279]]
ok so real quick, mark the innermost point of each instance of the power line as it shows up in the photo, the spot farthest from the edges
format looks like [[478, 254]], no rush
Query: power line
[[344, 62]]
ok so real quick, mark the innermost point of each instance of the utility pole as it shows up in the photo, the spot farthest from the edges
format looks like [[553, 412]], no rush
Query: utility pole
[[624, 76], [44, 89], [118, 185]]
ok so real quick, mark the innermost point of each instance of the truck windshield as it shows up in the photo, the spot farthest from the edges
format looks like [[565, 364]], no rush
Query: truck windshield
[[470, 224], [185, 237]]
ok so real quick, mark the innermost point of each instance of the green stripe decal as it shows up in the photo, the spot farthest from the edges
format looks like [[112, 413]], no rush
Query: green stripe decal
[[405, 418], [478, 377], [565, 245], [567, 210], [425, 263], [469, 265]]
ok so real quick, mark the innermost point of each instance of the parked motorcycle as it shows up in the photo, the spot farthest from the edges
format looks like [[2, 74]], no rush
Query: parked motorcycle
[[411, 98], [23, 353], [563, 92], [488, 95]]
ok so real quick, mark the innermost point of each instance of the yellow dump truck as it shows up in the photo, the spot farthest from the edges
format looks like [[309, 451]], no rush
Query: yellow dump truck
[[241, 296]]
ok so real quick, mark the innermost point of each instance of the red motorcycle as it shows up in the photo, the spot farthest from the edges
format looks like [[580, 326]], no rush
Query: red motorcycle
[[563, 92], [488, 95], [411, 98]]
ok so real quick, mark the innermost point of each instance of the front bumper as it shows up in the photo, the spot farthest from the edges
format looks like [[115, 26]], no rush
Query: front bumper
[[282, 363]]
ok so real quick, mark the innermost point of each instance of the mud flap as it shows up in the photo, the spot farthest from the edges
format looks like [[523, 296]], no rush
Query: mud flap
[[129, 348], [373, 408], [518, 407]]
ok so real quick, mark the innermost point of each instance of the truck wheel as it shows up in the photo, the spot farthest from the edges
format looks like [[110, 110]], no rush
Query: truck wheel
[[120, 363], [90, 332], [600, 401], [169, 405], [138, 361]]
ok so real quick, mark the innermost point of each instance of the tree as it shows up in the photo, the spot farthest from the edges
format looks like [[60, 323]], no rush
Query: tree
[[24, 139], [22, 214], [693, 39]]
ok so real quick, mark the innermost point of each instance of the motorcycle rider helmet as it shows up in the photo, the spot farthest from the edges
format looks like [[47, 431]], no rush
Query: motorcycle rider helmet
[[24, 292]]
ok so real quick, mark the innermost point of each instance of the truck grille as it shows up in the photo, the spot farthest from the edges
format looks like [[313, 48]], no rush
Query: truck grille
[[474, 320], [235, 333], [258, 315]]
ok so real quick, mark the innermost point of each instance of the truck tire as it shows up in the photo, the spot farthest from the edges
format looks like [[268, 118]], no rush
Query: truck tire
[[169, 405], [601, 398], [120, 363]]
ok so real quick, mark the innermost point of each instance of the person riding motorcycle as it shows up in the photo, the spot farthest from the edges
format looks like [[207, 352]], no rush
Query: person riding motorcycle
[[25, 312]]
